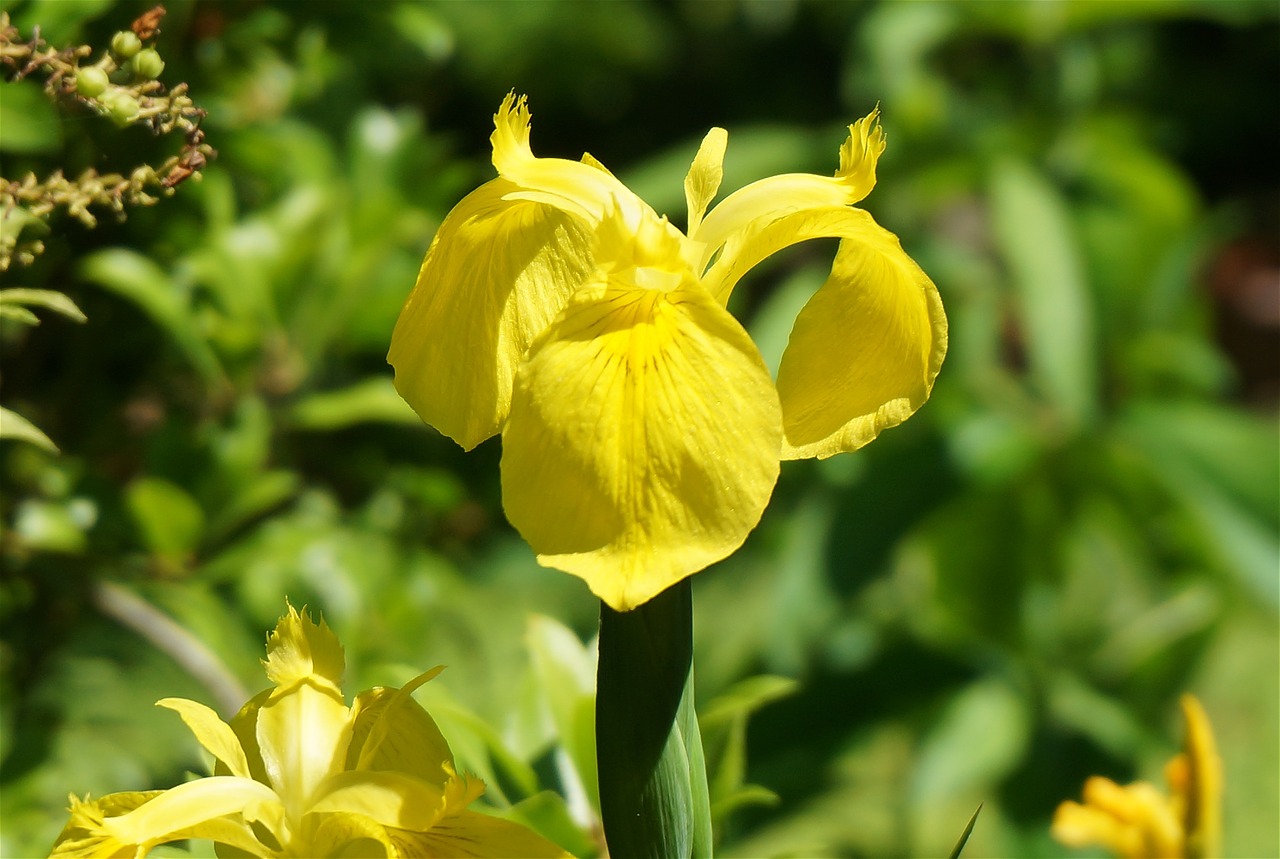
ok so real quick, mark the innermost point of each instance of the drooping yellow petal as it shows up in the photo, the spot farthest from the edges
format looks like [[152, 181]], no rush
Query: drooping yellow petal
[[643, 440], [391, 731], [865, 350], [300, 648], [497, 273], [85, 838], [580, 188], [777, 196], [214, 734], [469, 835], [705, 174], [190, 810], [83, 835]]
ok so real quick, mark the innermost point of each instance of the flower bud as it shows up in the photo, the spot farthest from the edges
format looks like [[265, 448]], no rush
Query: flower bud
[[146, 64], [121, 106], [91, 81], [125, 44]]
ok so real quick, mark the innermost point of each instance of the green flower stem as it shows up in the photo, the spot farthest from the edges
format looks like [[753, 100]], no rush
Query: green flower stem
[[653, 779]]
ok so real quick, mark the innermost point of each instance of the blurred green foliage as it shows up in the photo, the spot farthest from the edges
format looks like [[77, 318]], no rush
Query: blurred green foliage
[[992, 602]]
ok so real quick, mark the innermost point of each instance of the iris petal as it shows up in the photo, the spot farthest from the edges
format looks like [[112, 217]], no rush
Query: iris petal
[[85, 835], [214, 734], [865, 350], [580, 188], [385, 797], [475, 836], [391, 731], [705, 173], [778, 196], [496, 275], [1203, 793], [186, 810], [299, 648], [302, 733], [643, 440]]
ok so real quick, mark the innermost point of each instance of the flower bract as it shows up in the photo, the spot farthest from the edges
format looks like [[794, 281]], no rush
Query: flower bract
[[298, 773], [641, 430]]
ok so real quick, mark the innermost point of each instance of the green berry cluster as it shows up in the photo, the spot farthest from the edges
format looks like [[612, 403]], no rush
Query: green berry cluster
[[120, 85], [112, 84]]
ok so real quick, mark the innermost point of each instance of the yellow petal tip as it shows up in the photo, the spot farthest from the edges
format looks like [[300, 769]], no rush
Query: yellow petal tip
[[300, 648]]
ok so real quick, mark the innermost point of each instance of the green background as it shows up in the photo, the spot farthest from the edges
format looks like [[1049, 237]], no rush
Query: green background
[[992, 602]]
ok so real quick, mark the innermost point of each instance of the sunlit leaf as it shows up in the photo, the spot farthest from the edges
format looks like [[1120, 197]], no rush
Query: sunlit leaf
[[49, 299], [1035, 236], [15, 426], [372, 401]]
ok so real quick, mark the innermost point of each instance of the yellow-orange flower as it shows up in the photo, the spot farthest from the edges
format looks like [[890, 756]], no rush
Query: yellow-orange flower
[[641, 431], [301, 774], [1137, 821]]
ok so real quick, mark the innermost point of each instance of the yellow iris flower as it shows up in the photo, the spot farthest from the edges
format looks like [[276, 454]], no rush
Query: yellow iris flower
[[1137, 821], [641, 431], [299, 773]]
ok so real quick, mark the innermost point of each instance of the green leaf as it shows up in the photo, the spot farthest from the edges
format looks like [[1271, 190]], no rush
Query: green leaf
[[747, 696], [478, 747], [170, 521], [548, 815], [980, 737], [259, 495], [564, 669], [50, 299], [1035, 237], [18, 314], [964, 836], [28, 120], [60, 22], [371, 401], [15, 426], [1219, 466], [137, 279], [653, 790], [724, 727]]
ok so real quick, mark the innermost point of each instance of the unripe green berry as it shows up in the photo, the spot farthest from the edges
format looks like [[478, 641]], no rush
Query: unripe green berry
[[146, 64], [125, 44], [121, 106], [91, 81]]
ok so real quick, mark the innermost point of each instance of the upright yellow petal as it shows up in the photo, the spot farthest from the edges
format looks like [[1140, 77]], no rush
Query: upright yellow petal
[[302, 733], [643, 440], [777, 196], [1200, 793], [300, 648], [497, 273], [705, 174]]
